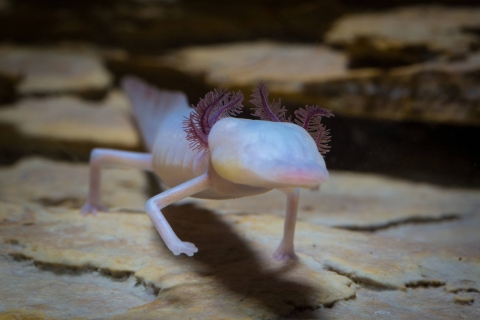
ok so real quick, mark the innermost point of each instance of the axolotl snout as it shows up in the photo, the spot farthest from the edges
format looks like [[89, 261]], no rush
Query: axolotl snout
[[207, 153]]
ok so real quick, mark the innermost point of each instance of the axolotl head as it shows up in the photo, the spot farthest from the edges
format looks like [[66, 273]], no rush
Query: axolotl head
[[265, 154]]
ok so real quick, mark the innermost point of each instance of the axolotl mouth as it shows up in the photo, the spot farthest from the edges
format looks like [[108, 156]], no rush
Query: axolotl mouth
[[266, 154]]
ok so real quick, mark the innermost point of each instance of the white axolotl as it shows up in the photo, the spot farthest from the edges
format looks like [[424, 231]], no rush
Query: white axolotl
[[206, 153]]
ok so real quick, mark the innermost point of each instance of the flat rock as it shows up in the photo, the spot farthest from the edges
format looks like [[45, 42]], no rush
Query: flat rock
[[246, 64], [360, 202], [232, 278], [457, 232], [418, 303], [434, 91], [67, 125], [233, 274], [414, 30], [51, 294], [55, 183], [55, 70]]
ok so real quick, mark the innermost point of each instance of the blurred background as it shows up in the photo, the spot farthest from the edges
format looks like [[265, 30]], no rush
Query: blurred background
[[402, 78]]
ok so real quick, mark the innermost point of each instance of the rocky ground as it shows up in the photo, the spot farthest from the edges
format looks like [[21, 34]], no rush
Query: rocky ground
[[393, 234]]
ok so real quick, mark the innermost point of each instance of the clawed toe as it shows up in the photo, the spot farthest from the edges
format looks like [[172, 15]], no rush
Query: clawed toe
[[184, 247]]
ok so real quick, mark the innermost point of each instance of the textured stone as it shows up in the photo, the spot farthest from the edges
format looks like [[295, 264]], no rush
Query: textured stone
[[361, 202], [418, 303], [67, 294], [450, 233], [443, 92], [67, 125], [232, 276], [406, 32], [54, 183], [46, 71], [438, 91], [245, 64]]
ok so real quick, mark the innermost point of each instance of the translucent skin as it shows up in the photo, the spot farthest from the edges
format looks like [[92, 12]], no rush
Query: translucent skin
[[246, 157]]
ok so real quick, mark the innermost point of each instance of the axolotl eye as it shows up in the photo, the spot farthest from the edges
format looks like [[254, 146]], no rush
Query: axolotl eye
[[265, 154]]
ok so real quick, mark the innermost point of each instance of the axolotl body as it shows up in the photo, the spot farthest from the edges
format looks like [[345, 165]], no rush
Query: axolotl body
[[206, 153]]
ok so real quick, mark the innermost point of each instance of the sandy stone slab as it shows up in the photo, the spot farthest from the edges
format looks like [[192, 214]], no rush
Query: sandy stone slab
[[66, 295], [419, 303], [439, 91], [233, 274], [231, 277], [378, 261], [246, 64], [67, 125], [360, 202], [435, 27], [446, 233], [55, 70], [55, 183]]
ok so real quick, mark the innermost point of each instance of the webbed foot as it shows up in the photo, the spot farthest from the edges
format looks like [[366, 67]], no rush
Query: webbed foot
[[284, 253], [93, 209], [179, 247]]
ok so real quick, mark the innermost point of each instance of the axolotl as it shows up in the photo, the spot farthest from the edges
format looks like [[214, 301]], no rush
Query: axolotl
[[206, 152]]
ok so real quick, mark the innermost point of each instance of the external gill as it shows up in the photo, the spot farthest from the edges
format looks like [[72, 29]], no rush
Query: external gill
[[264, 110], [214, 106], [309, 118]]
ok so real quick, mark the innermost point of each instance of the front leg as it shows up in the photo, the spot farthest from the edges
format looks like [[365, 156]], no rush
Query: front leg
[[155, 204], [285, 250], [102, 157]]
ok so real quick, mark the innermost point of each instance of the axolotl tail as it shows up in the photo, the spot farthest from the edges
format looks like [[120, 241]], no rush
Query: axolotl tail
[[150, 105]]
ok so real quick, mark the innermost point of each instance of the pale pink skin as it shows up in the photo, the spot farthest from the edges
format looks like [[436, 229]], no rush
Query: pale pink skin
[[268, 155]]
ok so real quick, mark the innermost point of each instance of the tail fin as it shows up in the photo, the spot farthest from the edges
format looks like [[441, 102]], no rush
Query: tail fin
[[150, 105]]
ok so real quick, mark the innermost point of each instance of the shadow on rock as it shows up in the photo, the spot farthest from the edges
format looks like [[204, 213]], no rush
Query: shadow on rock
[[280, 288]]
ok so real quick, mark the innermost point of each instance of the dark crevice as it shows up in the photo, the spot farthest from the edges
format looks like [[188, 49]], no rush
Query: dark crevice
[[362, 281], [425, 284], [408, 220], [63, 269], [68, 202]]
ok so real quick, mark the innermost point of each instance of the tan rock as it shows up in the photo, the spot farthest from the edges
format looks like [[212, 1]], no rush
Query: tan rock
[[55, 70], [69, 294], [360, 202], [440, 91], [435, 27], [230, 277], [449, 233], [233, 274], [67, 125], [55, 183], [418, 303], [464, 299], [12, 213], [285, 67]]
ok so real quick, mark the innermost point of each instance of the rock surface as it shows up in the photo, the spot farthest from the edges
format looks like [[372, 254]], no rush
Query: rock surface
[[46, 71], [338, 272], [435, 91], [361, 202], [62, 184], [411, 33], [285, 67], [67, 125]]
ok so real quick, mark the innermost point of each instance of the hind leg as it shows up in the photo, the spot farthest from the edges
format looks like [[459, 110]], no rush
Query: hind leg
[[109, 157]]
